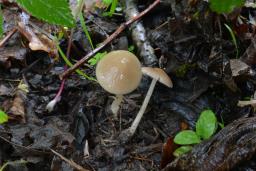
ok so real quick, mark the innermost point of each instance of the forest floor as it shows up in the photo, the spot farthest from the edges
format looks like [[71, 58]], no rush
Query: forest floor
[[209, 70]]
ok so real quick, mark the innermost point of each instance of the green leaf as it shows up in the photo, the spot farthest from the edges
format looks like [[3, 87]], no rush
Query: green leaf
[[3, 117], [206, 124], [182, 150], [131, 48], [225, 6], [1, 23], [107, 2], [113, 7], [186, 137], [52, 11], [94, 60], [233, 39], [221, 125], [78, 71], [85, 29]]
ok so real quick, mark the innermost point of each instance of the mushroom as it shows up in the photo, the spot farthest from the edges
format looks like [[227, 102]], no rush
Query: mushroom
[[119, 73], [158, 75]]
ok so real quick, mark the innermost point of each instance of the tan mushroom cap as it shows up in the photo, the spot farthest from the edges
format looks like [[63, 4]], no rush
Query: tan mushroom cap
[[119, 72], [158, 74]]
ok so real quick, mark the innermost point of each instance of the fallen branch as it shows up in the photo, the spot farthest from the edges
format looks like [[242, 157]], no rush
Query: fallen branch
[[139, 36], [108, 40], [70, 162], [8, 36]]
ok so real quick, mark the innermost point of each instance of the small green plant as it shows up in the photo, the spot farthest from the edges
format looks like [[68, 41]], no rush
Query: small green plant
[[233, 38], [131, 48], [183, 69], [94, 60], [67, 61], [85, 29], [3, 117], [113, 6], [206, 126], [225, 6]]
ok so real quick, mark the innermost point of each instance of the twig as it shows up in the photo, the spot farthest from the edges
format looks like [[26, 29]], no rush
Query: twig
[[8, 36], [70, 162], [23, 147], [139, 35], [108, 40]]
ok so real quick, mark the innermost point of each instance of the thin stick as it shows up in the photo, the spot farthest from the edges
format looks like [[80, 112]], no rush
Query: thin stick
[[70, 162], [108, 40], [8, 36], [23, 147]]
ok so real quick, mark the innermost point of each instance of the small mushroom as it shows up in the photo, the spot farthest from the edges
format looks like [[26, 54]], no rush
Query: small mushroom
[[158, 75], [119, 73]]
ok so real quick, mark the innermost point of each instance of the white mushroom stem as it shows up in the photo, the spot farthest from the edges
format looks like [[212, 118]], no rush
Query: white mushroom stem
[[246, 103], [136, 121], [116, 104]]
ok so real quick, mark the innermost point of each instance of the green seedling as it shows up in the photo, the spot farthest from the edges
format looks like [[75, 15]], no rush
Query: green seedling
[[206, 126], [183, 69], [94, 60], [233, 38], [85, 29], [182, 150], [67, 61], [131, 48], [113, 6], [3, 117]]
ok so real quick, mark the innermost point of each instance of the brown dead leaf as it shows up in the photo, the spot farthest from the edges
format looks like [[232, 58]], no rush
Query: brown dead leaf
[[169, 147], [249, 56], [238, 67], [167, 153], [5, 91], [9, 53], [37, 41], [17, 109], [183, 125]]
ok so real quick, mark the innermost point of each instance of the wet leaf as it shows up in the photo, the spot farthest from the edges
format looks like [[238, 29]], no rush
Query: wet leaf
[[37, 41], [186, 137], [225, 6], [18, 105], [3, 117], [167, 152], [206, 124], [182, 150], [54, 12]]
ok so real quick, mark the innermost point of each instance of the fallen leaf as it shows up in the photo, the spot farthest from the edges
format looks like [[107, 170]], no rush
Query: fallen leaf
[[167, 153], [37, 42], [18, 105], [5, 91], [3, 117]]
